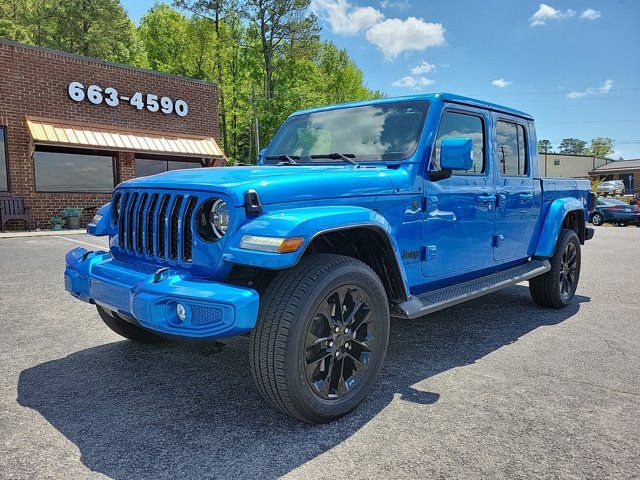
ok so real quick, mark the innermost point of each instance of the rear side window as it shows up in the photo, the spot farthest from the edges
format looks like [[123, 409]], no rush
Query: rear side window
[[462, 125], [512, 157]]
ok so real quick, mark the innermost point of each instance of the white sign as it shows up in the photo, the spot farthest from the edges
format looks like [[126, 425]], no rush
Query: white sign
[[110, 96]]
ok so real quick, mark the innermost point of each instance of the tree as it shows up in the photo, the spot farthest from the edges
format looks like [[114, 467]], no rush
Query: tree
[[600, 147], [544, 146], [279, 21], [163, 31], [14, 31], [572, 146]]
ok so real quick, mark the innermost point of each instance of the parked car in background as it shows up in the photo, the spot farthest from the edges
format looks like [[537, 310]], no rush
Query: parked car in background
[[616, 212], [610, 187]]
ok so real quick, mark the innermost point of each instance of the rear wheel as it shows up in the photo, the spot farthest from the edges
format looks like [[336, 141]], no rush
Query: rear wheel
[[557, 287], [126, 329], [596, 219], [320, 338]]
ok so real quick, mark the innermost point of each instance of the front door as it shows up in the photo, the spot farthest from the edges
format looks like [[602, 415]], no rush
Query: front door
[[459, 213], [516, 209]]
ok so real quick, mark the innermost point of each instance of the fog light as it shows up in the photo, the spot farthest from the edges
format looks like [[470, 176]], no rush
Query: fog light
[[181, 312]]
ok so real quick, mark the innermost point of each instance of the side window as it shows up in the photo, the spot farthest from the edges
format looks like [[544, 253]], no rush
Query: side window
[[462, 125], [512, 158]]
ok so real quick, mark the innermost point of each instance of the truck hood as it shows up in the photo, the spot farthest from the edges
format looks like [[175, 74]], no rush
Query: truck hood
[[277, 184]]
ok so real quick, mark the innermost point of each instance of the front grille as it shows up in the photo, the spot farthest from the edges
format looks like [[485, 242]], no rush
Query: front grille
[[156, 225]]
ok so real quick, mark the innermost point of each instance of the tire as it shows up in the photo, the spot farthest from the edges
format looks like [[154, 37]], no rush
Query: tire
[[551, 289], [126, 329], [596, 219], [296, 328]]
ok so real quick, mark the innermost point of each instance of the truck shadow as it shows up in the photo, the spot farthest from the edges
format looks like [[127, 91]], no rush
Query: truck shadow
[[166, 412]]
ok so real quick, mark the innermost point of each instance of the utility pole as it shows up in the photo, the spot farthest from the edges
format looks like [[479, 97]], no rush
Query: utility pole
[[255, 121], [545, 159]]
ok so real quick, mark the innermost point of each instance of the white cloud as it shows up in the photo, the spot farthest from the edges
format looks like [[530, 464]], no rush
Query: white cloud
[[601, 90], [399, 4], [412, 82], [394, 36], [590, 14], [422, 68], [500, 83], [546, 12], [345, 18]]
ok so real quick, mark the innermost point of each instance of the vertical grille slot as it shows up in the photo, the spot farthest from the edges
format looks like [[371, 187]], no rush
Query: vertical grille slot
[[173, 228], [187, 233], [152, 208], [121, 229], [161, 225], [140, 223], [130, 219]]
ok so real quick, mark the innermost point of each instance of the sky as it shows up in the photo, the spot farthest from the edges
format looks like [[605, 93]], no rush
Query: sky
[[572, 64]]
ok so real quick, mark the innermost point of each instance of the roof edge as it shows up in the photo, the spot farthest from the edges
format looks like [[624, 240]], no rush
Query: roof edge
[[74, 56]]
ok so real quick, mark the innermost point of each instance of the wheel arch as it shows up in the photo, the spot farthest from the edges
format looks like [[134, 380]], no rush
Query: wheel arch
[[370, 244], [562, 213], [352, 231]]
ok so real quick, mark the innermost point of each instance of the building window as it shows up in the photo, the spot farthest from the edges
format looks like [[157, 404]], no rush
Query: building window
[[146, 166], [511, 149], [556, 162], [70, 171], [4, 179], [461, 125]]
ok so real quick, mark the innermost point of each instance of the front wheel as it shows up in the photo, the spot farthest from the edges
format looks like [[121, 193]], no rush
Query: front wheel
[[596, 219], [557, 287], [126, 329], [320, 338]]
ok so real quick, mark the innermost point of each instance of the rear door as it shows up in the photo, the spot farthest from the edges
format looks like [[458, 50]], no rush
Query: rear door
[[459, 213], [516, 209]]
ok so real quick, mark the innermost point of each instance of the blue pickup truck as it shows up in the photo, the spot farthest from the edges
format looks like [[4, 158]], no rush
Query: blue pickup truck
[[355, 213]]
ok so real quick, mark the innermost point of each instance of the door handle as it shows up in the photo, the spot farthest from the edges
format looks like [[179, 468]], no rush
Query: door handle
[[485, 199], [525, 197]]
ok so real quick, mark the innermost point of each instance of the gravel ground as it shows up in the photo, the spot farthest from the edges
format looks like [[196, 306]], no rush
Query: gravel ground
[[493, 388]]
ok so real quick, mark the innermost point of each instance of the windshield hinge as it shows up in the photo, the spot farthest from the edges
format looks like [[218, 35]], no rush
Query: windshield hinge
[[252, 205]]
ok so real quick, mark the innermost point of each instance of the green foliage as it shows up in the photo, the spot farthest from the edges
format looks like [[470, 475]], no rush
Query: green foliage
[[71, 212], [13, 31], [600, 147], [544, 146], [265, 55], [572, 146]]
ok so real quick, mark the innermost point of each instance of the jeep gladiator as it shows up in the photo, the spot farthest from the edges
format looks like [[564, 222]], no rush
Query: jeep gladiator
[[354, 213]]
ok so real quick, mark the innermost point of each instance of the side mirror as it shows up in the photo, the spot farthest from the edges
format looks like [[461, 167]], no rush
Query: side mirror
[[260, 156], [456, 154]]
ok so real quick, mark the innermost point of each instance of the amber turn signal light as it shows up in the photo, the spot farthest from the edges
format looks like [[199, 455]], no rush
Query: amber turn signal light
[[291, 245]]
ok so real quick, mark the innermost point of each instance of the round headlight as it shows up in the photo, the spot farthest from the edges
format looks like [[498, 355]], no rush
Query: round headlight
[[212, 219], [219, 217]]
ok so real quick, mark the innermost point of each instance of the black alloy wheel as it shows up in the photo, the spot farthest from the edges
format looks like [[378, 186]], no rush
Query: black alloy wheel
[[339, 342], [568, 270]]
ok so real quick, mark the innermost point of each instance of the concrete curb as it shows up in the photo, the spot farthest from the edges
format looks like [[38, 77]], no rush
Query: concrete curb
[[42, 233]]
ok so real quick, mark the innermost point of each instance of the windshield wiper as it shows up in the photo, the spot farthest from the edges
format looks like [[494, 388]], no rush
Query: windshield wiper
[[284, 159], [345, 157]]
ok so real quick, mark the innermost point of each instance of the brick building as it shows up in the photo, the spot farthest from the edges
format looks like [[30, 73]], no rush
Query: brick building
[[72, 127]]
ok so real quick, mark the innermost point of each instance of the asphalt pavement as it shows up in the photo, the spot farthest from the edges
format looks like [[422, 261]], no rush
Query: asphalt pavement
[[493, 388]]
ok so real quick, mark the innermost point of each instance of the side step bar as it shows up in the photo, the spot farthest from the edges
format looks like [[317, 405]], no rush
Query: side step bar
[[435, 300]]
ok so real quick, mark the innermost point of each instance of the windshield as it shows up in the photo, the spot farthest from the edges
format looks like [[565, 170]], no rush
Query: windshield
[[386, 131]]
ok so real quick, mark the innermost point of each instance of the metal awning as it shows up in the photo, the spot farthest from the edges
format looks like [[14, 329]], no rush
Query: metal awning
[[53, 132]]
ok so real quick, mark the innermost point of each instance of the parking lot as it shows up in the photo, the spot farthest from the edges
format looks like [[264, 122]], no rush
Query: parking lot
[[492, 388]]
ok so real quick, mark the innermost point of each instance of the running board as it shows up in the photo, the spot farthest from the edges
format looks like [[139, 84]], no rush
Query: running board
[[435, 300]]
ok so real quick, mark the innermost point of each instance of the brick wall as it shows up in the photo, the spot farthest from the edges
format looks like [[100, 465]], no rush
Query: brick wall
[[34, 82]]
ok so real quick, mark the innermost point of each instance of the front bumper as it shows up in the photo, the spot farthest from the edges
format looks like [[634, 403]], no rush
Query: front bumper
[[213, 310]]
